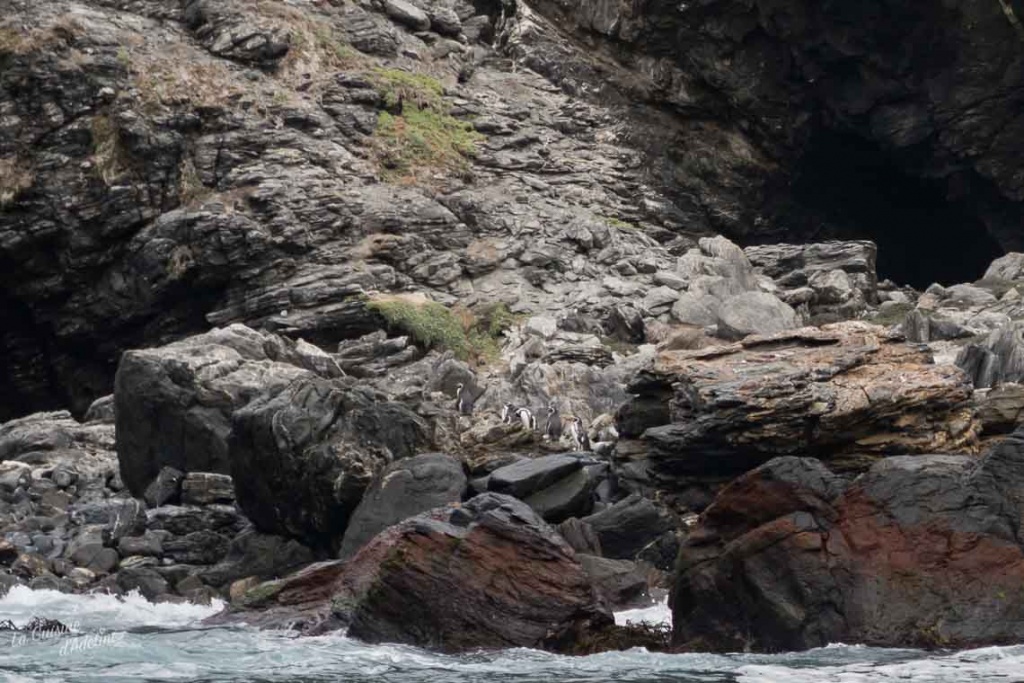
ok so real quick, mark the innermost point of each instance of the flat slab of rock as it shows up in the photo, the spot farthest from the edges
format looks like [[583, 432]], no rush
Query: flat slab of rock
[[529, 476], [921, 551], [847, 392]]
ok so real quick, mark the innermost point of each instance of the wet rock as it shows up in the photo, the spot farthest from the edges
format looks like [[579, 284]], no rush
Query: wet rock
[[488, 574], [143, 579], [263, 556], [404, 489], [899, 558]]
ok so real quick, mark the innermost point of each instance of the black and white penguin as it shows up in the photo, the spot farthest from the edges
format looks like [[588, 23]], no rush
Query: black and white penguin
[[579, 434], [464, 399], [508, 413], [527, 419], [553, 427]]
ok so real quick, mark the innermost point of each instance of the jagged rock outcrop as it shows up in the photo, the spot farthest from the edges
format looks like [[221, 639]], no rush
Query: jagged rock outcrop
[[486, 574], [921, 551], [847, 392]]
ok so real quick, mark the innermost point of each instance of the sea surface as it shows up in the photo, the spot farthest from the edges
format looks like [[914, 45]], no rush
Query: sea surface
[[131, 639]]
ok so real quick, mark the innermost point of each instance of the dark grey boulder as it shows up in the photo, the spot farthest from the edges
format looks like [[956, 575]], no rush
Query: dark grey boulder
[[625, 528], [404, 489], [526, 477], [143, 579], [252, 553], [622, 583], [198, 547], [570, 496], [303, 457], [165, 488], [150, 544]]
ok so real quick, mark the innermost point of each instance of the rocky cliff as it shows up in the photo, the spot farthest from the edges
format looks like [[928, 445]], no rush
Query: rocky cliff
[[165, 167], [437, 279]]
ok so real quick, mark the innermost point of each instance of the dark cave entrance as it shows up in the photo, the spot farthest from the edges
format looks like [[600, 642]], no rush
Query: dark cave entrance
[[847, 187]]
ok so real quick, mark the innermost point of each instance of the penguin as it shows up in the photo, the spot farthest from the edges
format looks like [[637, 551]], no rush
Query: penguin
[[508, 413], [579, 434], [527, 419], [464, 399], [553, 427]]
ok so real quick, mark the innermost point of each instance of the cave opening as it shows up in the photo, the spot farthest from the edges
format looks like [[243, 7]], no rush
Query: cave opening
[[847, 187]]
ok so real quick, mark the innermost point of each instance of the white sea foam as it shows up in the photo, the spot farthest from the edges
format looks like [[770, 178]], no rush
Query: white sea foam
[[658, 613], [99, 611], [990, 664]]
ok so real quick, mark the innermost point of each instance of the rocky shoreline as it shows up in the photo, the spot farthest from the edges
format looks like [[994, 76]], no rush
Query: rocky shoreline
[[270, 273], [786, 487]]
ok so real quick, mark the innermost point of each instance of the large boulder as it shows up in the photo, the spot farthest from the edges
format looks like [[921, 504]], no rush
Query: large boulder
[[301, 458], [754, 313], [404, 489], [921, 551], [848, 393], [174, 403], [486, 574]]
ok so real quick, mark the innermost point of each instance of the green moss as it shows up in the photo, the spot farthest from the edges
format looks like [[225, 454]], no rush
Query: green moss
[[422, 135], [422, 90], [339, 51], [261, 594], [434, 325], [620, 224]]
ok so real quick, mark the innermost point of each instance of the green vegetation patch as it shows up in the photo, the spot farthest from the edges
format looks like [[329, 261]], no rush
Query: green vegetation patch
[[261, 594], [417, 133], [618, 223], [434, 325]]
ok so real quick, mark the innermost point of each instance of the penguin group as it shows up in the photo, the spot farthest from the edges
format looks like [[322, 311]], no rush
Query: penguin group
[[553, 426]]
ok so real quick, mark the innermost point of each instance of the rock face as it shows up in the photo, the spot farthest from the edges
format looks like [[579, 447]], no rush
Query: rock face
[[486, 574], [174, 403], [848, 393], [921, 551], [301, 458]]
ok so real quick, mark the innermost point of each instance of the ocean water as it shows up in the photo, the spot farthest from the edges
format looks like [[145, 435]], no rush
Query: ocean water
[[131, 639]]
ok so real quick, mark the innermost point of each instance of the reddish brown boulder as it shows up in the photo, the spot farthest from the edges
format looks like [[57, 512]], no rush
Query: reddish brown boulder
[[920, 551], [485, 574]]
